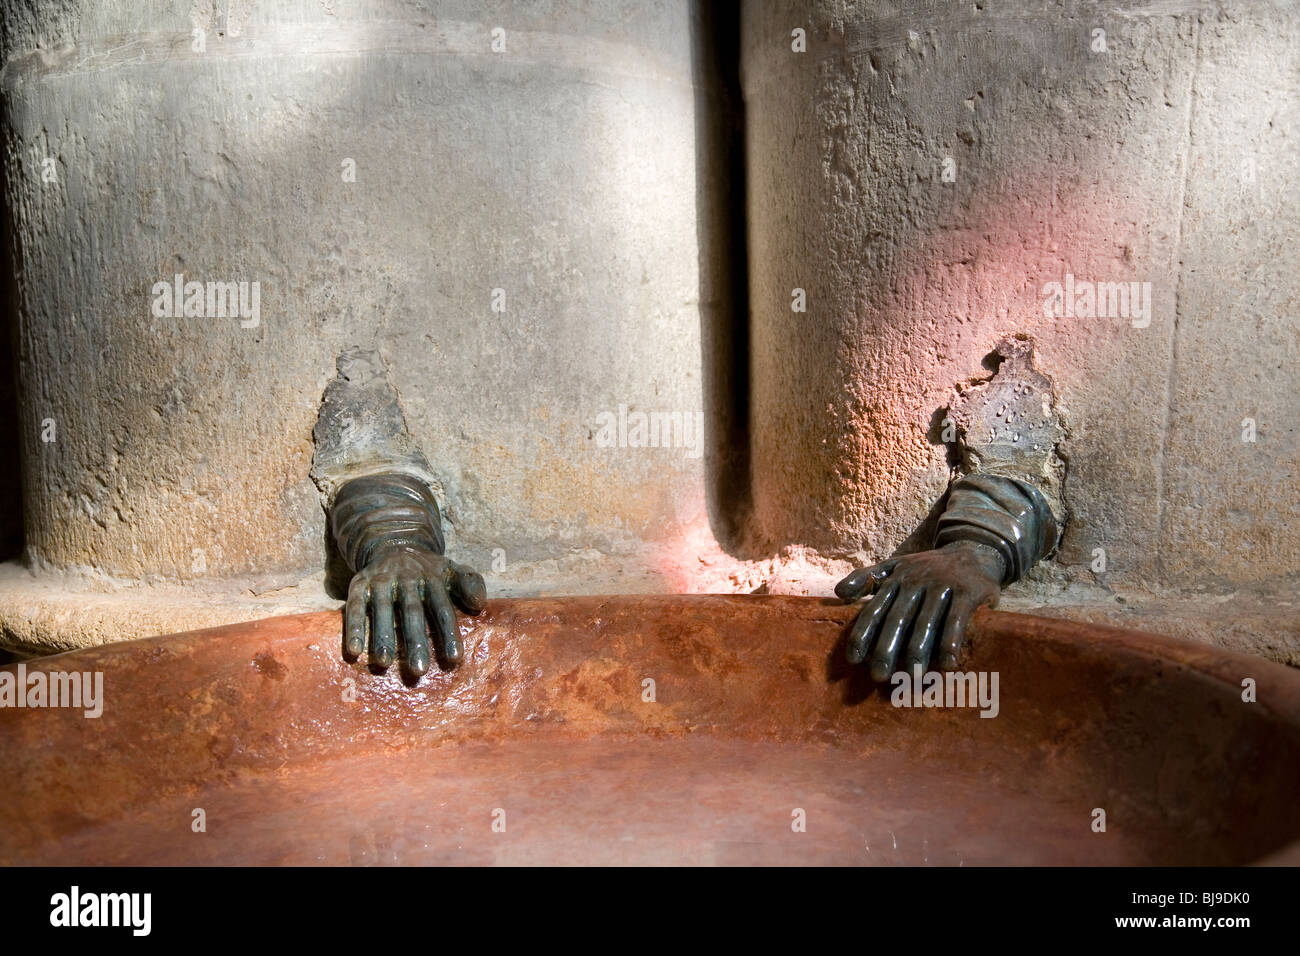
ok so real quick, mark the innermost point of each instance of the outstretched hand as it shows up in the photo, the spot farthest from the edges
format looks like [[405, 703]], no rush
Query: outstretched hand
[[420, 585], [918, 601]]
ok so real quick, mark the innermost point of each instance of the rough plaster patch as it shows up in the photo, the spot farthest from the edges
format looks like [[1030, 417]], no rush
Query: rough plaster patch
[[1008, 424], [361, 429]]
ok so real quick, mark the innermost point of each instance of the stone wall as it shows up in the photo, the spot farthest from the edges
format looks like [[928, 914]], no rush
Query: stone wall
[[923, 171], [500, 198], [800, 227]]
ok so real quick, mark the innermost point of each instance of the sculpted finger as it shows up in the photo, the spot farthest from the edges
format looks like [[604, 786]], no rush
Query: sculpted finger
[[468, 590], [864, 628], [413, 629], [926, 628], [443, 616], [893, 632], [354, 618], [954, 632], [383, 639], [860, 582]]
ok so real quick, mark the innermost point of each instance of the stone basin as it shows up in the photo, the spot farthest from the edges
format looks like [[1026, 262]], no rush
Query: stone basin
[[257, 744]]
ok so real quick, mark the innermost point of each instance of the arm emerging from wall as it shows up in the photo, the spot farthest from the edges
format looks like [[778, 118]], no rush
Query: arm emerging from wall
[[993, 530], [1005, 515], [386, 524], [388, 529]]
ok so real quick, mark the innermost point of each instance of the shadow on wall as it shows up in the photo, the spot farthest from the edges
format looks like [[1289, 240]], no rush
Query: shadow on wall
[[723, 265], [11, 499]]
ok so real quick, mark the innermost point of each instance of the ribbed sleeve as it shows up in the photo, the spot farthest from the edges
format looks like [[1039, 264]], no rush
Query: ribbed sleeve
[[1012, 516], [384, 510]]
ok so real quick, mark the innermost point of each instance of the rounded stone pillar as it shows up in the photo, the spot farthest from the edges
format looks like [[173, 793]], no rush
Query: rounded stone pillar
[[211, 203], [499, 198], [926, 179]]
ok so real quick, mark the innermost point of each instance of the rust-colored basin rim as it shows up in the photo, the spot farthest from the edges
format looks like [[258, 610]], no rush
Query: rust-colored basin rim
[[1157, 729]]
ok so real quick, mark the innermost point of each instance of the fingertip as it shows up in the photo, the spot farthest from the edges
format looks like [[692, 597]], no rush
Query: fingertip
[[473, 592], [853, 584], [880, 671], [418, 664], [451, 647]]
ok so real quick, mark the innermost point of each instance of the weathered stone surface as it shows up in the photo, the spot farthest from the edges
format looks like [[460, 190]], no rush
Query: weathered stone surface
[[583, 172], [1111, 167], [553, 179], [1231, 506], [1008, 425]]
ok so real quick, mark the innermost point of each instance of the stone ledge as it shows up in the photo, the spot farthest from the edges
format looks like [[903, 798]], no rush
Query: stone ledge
[[51, 612]]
